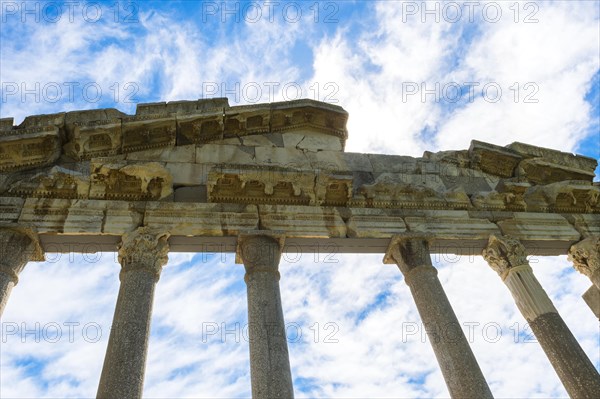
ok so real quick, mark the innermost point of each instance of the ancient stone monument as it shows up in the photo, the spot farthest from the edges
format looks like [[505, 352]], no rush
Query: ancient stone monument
[[258, 180]]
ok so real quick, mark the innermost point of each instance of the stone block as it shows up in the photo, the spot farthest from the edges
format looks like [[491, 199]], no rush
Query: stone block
[[357, 162], [555, 157], [46, 215], [528, 226], [493, 159], [123, 216], [592, 299], [85, 217], [94, 139], [189, 174], [212, 220], [540, 171], [327, 160], [6, 124], [200, 129], [307, 140], [302, 221], [452, 225], [283, 157], [179, 154], [29, 148], [148, 131], [191, 194], [392, 163], [225, 154], [10, 209], [374, 223], [586, 225]]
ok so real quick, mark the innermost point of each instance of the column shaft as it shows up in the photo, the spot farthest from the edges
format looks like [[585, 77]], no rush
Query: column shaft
[[577, 373], [6, 286], [269, 359], [125, 360], [17, 247], [142, 255], [459, 367]]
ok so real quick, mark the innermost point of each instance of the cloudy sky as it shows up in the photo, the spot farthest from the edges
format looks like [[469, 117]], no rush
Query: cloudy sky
[[414, 76]]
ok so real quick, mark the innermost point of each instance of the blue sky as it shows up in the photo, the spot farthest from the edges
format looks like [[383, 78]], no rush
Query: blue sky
[[413, 77]]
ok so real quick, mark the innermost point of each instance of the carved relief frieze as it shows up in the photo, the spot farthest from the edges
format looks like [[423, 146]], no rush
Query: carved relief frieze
[[493, 159], [194, 129], [564, 197], [540, 171], [391, 191], [29, 148], [247, 120], [148, 131], [94, 139], [333, 189], [261, 186], [286, 117], [56, 182], [139, 181], [507, 196]]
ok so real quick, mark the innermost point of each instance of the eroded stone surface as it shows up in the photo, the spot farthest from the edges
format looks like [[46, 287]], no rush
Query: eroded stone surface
[[58, 169]]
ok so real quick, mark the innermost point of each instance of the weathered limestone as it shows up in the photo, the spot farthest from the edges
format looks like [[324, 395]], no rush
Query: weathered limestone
[[17, 247], [592, 299], [142, 255], [507, 257], [462, 374], [270, 373], [207, 172], [585, 256]]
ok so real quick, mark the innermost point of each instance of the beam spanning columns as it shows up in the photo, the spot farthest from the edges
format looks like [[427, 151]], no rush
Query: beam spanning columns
[[142, 255], [585, 256], [461, 372], [17, 247], [507, 257], [270, 372]]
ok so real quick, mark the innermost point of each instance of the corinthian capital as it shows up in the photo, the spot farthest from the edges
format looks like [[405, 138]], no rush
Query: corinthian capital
[[17, 247], [585, 256], [504, 253], [144, 249]]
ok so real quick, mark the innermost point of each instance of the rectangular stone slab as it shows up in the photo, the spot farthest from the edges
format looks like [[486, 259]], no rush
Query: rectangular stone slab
[[192, 219], [302, 221]]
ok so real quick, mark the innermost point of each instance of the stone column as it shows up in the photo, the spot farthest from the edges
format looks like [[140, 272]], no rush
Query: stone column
[[142, 255], [17, 247], [585, 256], [507, 257], [461, 372], [269, 360]]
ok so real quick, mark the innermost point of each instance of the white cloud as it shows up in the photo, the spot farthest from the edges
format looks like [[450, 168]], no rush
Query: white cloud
[[369, 61]]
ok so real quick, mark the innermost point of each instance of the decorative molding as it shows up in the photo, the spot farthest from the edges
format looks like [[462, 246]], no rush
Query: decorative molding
[[508, 258], [17, 247], [144, 249], [585, 256], [503, 253]]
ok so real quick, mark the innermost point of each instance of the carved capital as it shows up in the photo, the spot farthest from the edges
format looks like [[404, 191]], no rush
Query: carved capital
[[144, 249], [409, 251], [17, 247], [504, 254], [260, 251], [585, 256]]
